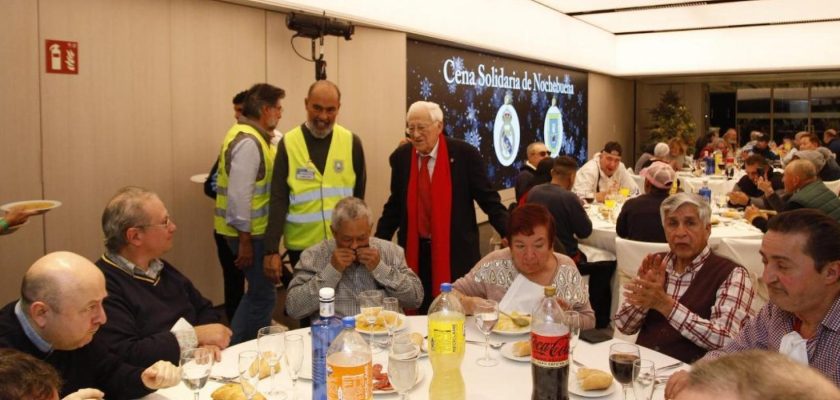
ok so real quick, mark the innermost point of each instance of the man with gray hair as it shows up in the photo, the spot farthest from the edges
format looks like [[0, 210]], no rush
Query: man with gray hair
[[351, 262], [154, 311], [535, 152], [689, 300]]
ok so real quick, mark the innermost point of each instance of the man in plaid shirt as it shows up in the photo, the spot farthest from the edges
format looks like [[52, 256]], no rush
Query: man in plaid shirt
[[801, 253], [689, 300]]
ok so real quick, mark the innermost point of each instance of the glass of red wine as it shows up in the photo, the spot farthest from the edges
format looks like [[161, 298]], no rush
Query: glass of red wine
[[622, 356]]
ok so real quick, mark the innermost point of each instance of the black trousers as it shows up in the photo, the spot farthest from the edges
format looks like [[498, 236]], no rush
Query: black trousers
[[424, 272], [232, 277], [600, 293]]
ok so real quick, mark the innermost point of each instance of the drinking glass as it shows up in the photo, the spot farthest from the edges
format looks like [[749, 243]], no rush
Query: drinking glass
[[271, 343], [402, 364], [622, 356], [572, 320], [370, 304], [623, 193], [249, 372], [195, 368], [294, 358], [589, 197], [610, 201], [486, 314], [391, 316], [644, 378]]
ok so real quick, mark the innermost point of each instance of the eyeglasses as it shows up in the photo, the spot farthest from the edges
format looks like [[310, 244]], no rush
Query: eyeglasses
[[167, 223], [542, 153], [418, 128]]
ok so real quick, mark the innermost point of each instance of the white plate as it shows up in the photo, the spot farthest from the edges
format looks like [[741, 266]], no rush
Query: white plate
[[418, 380], [402, 326], [507, 352], [574, 388], [41, 206], [198, 178]]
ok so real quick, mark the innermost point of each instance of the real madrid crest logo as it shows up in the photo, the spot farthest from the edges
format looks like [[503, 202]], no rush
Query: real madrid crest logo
[[506, 132], [338, 166]]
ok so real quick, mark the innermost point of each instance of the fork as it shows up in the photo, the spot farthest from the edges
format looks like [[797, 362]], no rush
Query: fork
[[494, 346]]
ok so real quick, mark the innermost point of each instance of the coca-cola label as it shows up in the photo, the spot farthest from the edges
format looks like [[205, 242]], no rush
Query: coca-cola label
[[549, 351]]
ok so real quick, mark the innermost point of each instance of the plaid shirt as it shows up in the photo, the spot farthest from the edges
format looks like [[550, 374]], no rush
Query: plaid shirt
[[730, 312], [314, 272], [766, 330]]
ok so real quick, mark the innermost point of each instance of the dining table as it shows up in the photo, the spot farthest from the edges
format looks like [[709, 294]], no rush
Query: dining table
[[509, 379]]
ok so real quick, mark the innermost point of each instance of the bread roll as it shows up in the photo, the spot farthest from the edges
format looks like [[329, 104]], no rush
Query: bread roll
[[521, 349], [417, 339], [593, 379], [232, 391], [264, 368]]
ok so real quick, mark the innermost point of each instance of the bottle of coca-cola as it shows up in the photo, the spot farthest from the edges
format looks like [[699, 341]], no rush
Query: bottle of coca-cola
[[549, 350]]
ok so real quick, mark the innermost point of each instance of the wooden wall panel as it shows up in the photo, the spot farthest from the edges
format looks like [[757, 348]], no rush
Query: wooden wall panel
[[20, 138], [611, 114], [110, 125], [218, 50], [373, 82]]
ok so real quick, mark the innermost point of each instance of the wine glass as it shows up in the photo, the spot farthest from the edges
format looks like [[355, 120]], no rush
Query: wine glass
[[644, 377], [589, 197], [391, 315], [249, 372], [195, 368], [370, 304], [402, 364], [486, 314], [572, 320], [294, 358], [622, 356], [271, 343]]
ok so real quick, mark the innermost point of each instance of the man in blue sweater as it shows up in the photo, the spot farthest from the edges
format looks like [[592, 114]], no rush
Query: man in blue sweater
[[154, 311], [55, 320]]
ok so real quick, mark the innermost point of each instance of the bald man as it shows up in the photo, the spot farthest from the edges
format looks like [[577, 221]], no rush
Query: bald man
[[318, 163], [55, 320], [805, 189]]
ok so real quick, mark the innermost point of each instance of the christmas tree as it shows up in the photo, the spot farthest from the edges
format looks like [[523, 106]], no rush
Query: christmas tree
[[671, 119]]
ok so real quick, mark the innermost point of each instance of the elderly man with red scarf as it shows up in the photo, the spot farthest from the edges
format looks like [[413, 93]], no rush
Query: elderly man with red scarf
[[434, 181]]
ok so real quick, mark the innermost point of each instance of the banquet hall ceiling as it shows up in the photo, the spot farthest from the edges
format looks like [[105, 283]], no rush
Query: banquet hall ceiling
[[622, 17]]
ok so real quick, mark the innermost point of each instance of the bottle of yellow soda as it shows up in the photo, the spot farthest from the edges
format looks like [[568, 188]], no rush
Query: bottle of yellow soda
[[349, 366], [446, 346]]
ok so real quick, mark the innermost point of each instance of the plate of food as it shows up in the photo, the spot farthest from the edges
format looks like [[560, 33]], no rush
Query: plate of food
[[38, 206], [378, 327], [505, 326], [381, 383], [590, 382], [517, 351]]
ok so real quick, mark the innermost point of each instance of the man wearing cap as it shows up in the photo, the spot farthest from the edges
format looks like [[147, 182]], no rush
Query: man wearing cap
[[659, 152], [689, 300], [604, 173], [750, 189], [536, 152], [639, 218], [762, 147]]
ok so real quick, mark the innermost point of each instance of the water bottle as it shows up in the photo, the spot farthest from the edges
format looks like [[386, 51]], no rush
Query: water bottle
[[705, 192], [349, 366], [549, 350], [446, 346], [324, 332]]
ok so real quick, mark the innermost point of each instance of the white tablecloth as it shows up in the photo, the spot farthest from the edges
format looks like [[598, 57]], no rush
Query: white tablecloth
[[718, 184], [507, 380]]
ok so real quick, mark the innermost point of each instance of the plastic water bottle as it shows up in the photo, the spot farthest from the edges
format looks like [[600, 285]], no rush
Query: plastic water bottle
[[549, 350], [349, 366], [446, 346], [705, 192], [324, 332]]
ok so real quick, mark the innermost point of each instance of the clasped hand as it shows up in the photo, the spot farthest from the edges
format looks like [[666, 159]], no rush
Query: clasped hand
[[344, 257], [647, 290]]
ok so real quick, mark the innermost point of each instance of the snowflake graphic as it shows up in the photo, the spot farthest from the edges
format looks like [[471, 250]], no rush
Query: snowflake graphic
[[459, 63], [491, 171], [509, 182], [471, 113], [479, 89], [580, 98], [535, 98], [472, 137], [452, 86], [426, 89], [567, 80]]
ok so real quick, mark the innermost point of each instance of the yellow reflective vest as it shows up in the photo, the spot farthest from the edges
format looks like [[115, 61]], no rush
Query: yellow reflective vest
[[262, 187], [312, 195]]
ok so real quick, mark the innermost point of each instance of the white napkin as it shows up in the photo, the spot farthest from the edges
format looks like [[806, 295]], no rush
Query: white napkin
[[795, 347], [522, 296], [184, 334]]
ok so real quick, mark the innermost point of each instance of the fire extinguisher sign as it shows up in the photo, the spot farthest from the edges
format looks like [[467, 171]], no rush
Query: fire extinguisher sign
[[62, 57]]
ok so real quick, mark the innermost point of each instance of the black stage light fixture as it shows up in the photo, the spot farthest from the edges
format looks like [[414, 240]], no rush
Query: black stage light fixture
[[314, 26]]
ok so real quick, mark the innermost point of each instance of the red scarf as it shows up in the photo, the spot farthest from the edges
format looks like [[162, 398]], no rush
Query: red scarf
[[440, 218]]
